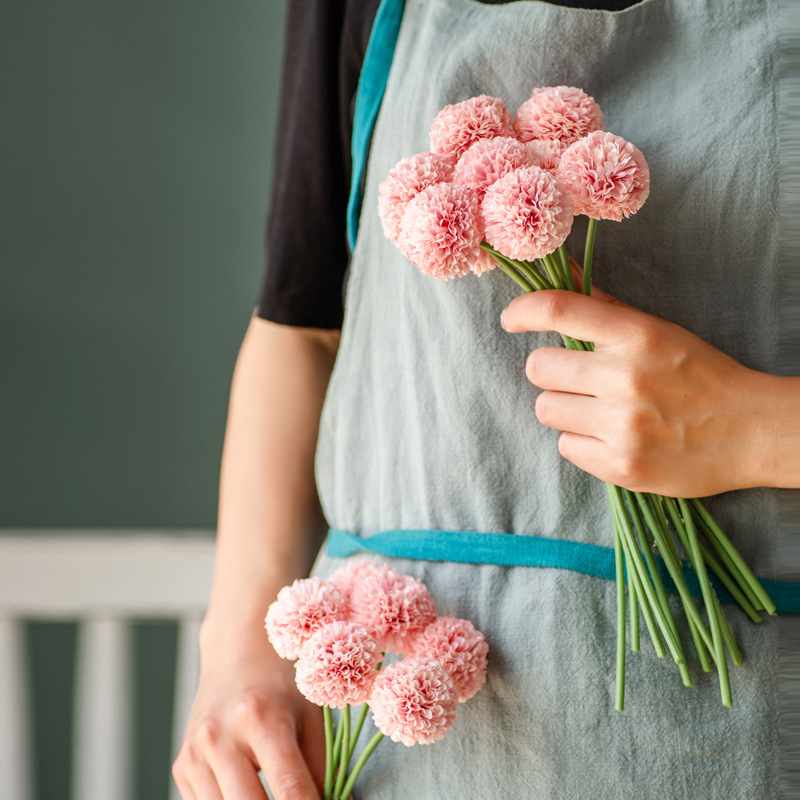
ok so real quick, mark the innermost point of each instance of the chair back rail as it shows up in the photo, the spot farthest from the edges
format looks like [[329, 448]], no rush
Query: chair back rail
[[102, 582]]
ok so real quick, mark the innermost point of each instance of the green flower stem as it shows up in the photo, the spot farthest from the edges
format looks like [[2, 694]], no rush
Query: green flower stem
[[712, 607], [730, 581], [515, 276], [735, 582], [663, 541], [712, 563], [727, 635], [587, 256], [619, 695], [700, 634], [368, 750], [573, 344], [517, 269], [655, 504], [345, 759], [633, 576], [564, 257], [634, 602], [531, 273], [727, 545], [552, 270], [655, 577], [699, 646], [337, 745], [733, 568], [327, 718], [684, 537], [357, 730], [647, 550], [646, 586]]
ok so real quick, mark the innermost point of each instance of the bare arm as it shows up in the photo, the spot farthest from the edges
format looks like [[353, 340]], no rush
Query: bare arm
[[248, 714]]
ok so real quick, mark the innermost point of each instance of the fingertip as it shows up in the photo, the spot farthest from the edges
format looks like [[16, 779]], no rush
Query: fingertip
[[511, 320]]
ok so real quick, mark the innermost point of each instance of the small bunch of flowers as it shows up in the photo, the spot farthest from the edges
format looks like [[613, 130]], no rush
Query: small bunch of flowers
[[496, 191], [338, 632]]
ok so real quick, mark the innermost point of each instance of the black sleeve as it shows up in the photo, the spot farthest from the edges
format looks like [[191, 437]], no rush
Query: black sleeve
[[306, 246]]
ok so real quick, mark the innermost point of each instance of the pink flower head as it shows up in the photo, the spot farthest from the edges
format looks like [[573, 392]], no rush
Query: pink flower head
[[337, 665], [483, 263], [527, 214], [545, 153], [414, 701], [404, 182], [558, 112], [440, 232], [606, 175], [487, 160], [460, 648], [457, 126], [300, 611], [347, 578], [396, 607]]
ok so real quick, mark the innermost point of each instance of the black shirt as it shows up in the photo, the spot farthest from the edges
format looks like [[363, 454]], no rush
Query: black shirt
[[307, 254]]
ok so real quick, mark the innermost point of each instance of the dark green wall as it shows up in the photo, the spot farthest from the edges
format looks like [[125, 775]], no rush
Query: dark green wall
[[135, 163], [137, 140]]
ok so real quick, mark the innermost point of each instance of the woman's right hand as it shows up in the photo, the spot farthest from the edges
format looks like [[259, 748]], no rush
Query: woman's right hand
[[248, 715]]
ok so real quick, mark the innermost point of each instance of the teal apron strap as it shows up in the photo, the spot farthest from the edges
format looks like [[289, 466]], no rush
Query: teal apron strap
[[371, 86], [527, 551]]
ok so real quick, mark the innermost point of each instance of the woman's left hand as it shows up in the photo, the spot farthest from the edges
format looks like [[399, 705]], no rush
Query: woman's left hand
[[654, 408]]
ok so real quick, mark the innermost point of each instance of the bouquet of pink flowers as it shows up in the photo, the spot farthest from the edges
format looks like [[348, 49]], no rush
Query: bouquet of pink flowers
[[496, 191], [339, 631]]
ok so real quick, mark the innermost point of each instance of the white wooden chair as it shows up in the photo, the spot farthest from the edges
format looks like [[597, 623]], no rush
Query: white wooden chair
[[102, 582]]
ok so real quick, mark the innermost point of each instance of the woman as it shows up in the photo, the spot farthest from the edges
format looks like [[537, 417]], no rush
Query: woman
[[428, 420]]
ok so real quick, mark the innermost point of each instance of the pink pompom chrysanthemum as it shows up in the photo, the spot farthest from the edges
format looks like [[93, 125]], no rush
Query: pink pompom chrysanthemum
[[337, 665], [606, 175], [527, 214], [441, 232], [414, 701], [395, 607], [300, 611], [487, 160], [404, 182], [545, 153], [458, 126], [483, 263], [348, 577], [564, 113], [460, 648]]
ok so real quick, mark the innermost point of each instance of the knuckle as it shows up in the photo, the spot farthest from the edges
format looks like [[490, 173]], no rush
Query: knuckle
[[177, 770], [630, 467], [543, 408], [535, 366], [288, 785], [554, 306], [638, 424], [635, 382], [649, 335], [257, 712], [206, 734], [251, 708]]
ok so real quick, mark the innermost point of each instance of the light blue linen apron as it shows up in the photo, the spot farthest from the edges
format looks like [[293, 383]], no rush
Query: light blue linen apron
[[428, 423]]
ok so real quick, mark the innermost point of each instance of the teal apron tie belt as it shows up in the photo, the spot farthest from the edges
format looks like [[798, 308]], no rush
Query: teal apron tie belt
[[527, 551]]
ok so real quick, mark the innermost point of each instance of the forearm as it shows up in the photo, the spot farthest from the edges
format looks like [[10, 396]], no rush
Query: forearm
[[269, 519]]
